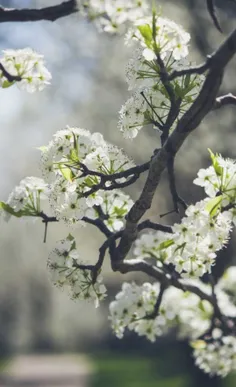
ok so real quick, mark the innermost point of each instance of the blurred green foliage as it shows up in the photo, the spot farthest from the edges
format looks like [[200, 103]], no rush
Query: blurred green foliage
[[132, 371]]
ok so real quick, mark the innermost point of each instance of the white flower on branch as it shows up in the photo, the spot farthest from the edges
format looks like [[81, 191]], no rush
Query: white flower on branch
[[216, 357], [134, 309], [192, 246], [114, 205], [113, 16], [150, 103], [170, 37], [74, 163], [67, 271], [219, 179], [228, 282], [29, 66], [26, 198]]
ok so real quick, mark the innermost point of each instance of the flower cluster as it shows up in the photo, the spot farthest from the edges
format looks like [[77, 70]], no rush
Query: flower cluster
[[134, 307], [28, 66], [150, 102], [26, 198], [203, 231], [219, 181], [66, 164], [112, 16], [67, 271], [115, 205], [158, 35], [228, 282], [216, 356], [192, 246]]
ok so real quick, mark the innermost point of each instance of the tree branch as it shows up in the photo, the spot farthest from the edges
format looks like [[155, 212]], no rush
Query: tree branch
[[140, 265], [173, 189], [200, 69], [8, 76], [187, 123], [30, 15], [212, 12], [227, 99], [155, 226]]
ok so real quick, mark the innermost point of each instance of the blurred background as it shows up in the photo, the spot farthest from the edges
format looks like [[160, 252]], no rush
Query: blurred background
[[87, 90]]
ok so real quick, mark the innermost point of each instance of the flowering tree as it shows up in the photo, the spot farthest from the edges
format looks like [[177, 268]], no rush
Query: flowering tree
[[83, 178]]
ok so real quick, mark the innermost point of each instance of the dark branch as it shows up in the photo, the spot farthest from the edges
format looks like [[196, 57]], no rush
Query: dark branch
[[157, 304], [99, 224], [139, 265], [133, 174], [95, 269], [212, 12], [201, 69], [217, 61], [8, 76], [172, 183], [155, 226], [187, 123], [174, 102], [30, 15], [166, 280], [228, 99], [137, 170]]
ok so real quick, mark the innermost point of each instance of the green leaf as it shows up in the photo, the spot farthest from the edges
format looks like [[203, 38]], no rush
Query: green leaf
[[180, 247], [218, 169], [66, 172], [198, 344], [74, 155], [42, 148], [10, 210], [6, 84], [165, 244], [73, 246], [154, 27], [74, 140], [146, 33], [214, 204], [70, 237], [187, 80], [201, 306], [179, 91]]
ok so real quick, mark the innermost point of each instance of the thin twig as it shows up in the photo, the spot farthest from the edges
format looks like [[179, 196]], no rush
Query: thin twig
[[200, 69], [8, 76], [212, 12], [155, 226], [174, 102], [157, 305], [31, 15], [227, 99], [172, 184]]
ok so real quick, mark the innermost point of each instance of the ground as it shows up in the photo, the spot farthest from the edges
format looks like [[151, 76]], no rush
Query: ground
[[47, 371]]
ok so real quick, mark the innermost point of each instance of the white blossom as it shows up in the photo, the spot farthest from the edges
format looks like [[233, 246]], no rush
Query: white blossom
[[29, 66], [169, 37], [114, 205], [113, 16], [65, 272], [228, 282], [26, 198], [131, 309], [216, 357]]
